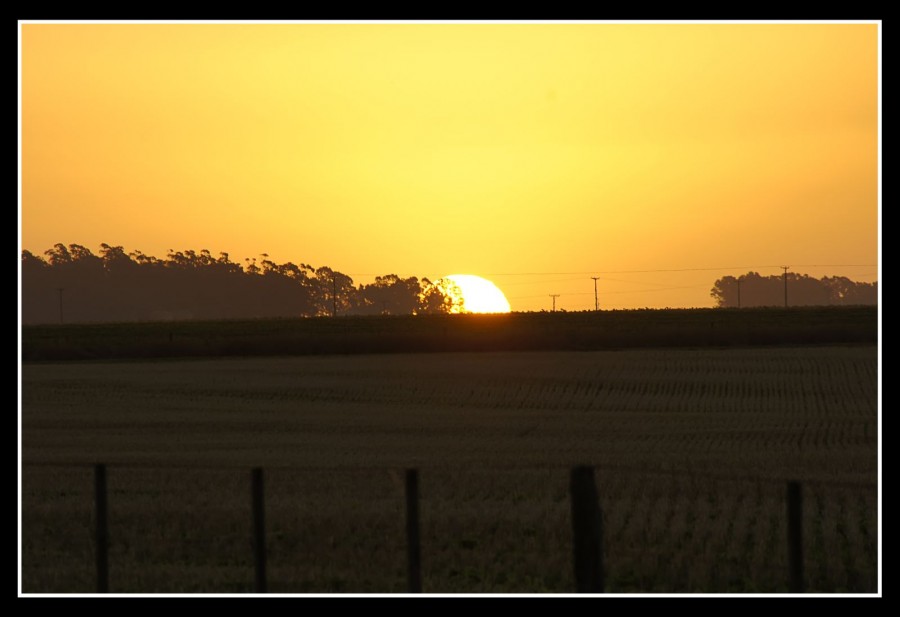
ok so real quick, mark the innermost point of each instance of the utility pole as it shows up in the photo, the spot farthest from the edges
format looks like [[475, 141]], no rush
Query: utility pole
[[554, 296], [785, 268], [739, 292], [596, 303], [59, 290], [333, 295]]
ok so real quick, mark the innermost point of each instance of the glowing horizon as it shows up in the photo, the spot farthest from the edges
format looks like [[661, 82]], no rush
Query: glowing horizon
[[658, 157]]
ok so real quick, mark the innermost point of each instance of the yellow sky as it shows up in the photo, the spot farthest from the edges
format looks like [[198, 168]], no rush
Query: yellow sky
[[504, 150]]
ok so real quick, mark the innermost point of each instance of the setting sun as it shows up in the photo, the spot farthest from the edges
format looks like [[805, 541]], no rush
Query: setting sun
[[479, 295], [657, 157]]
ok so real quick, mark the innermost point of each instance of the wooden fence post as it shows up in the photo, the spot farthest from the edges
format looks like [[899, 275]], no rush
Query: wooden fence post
[[587, 531], [795, 536], [413, 551], [102, 532], [259, 529]]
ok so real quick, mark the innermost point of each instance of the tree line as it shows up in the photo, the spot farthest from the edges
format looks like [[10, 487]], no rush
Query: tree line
[[752, 289], [71, 284]]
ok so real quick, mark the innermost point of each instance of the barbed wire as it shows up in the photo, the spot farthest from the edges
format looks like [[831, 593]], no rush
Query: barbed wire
[[462, 469]]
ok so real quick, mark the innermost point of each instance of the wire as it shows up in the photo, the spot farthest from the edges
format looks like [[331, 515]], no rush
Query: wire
[[162, 466], [587, 272], [607, 293], [677, 270]]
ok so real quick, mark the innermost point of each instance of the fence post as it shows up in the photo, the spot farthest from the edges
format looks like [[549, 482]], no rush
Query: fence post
[[587, 531], [795, 536], [259, 529], [413, 551], [102, 537]]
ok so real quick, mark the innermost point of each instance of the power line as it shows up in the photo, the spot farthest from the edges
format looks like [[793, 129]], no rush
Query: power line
[[583, 272], [544, 282], [606, 278], [629, 291], [637, 291], [834, 266], [675, 270]]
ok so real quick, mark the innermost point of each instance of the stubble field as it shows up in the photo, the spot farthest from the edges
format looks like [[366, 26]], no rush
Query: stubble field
[[692, 449]]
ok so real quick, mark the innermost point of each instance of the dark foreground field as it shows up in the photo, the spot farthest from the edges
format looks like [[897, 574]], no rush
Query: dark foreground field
[[441, 333], [692, 450]]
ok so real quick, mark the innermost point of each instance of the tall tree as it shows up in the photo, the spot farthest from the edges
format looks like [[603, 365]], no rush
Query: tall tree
[[802, 290]]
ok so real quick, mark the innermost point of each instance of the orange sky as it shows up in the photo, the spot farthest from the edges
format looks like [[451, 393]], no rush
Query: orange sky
[[535, 155]]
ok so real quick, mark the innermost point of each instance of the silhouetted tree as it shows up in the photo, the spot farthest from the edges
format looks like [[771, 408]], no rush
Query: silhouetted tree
[[120, 286], [388, 295], [32, 261], [803, 290], [39, 295], [441, 296], [333, 292], [59, 254]]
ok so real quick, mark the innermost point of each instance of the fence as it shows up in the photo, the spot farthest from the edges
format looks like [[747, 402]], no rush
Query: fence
[[586, 518]]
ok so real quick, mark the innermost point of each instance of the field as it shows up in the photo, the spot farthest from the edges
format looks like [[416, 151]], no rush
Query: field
[[692, 449], [583, 331]]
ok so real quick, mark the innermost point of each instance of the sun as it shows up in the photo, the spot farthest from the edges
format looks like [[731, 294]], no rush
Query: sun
[[479, 295]]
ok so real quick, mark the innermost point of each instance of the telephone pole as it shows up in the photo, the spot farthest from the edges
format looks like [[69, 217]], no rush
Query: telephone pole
[[785, 268], [739, 292], [554, 296], [333, 295], [596, 303]]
